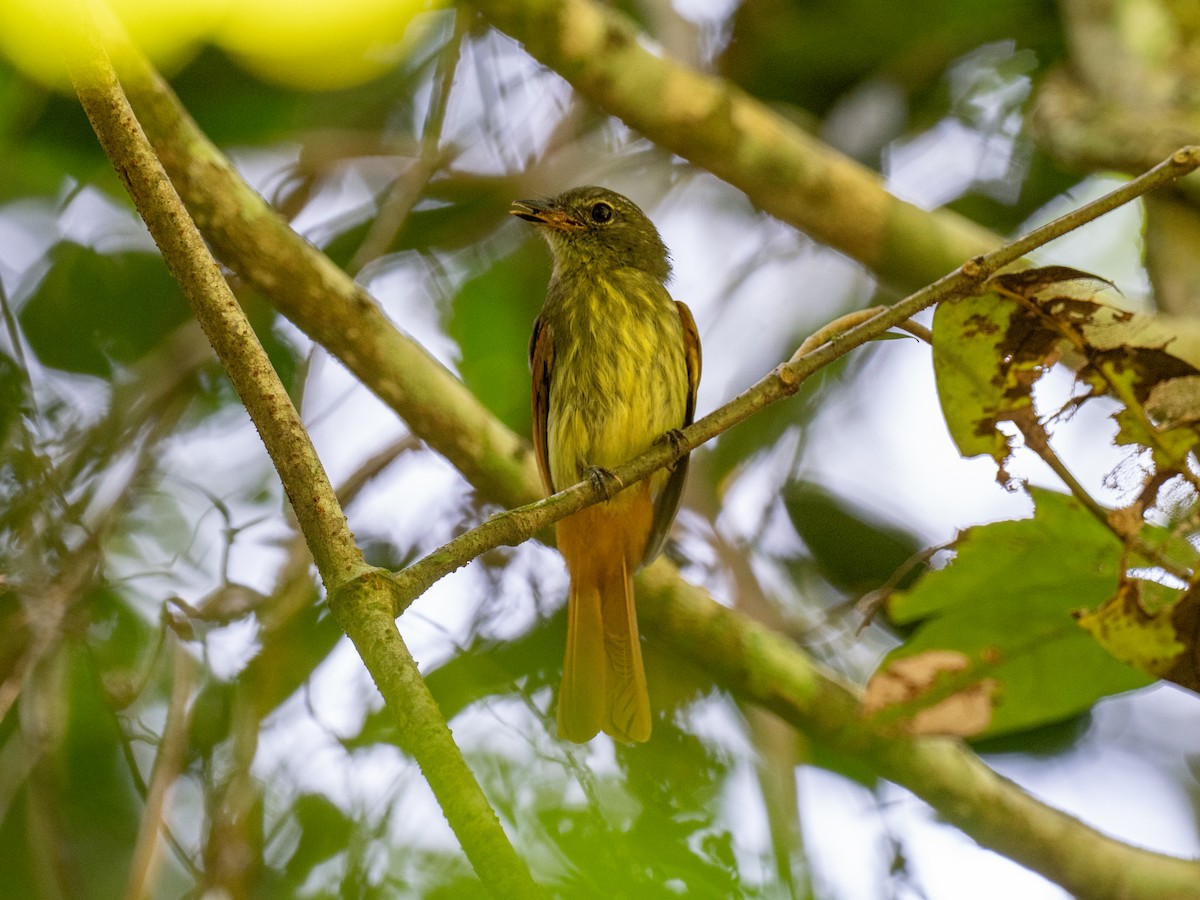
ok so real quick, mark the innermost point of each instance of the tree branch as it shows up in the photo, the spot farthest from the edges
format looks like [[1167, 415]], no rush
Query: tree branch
[[325, 303], [1081, 130], [338, 314], [359, 596], [707, 121], [220, 316]]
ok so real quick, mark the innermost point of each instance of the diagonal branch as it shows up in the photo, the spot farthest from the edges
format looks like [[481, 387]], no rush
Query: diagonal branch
[[704, 119], [359, 595], [223, 321], [766, 668], [324, 302]]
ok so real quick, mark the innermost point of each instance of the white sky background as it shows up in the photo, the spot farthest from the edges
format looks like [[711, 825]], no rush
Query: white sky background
[[884, 446]]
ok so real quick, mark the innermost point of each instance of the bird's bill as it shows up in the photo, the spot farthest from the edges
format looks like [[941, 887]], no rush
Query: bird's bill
[[544, 212]]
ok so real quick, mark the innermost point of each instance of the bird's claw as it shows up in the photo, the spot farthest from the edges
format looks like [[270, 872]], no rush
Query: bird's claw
[[604, 481], [674, 437]]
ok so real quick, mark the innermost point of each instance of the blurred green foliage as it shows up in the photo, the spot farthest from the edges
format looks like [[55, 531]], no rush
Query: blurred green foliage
[[853, 551], [93, 309], [76, 810], [491, 320], [812, 53], [121, 517]]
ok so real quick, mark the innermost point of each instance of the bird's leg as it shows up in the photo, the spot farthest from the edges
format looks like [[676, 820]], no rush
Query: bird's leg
[[604, 481]]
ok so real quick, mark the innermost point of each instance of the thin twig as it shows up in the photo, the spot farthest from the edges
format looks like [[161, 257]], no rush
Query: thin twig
[[833, 341], [1037, 440], [406, 189], [869, 604], [168, 762]]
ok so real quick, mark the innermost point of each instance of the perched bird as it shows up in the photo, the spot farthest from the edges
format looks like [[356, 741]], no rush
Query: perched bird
[[616, 364]]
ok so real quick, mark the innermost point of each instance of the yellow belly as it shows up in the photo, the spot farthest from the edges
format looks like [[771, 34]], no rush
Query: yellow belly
[[618, 385]]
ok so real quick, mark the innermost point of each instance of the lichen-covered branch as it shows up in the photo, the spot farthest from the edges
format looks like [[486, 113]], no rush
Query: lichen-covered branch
[[719, 127], [224, 323], [359, 595], [1086, 132], [325, 303]]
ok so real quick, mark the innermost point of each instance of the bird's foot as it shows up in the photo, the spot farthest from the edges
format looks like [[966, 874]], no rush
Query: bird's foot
[[604, 481], [674, 437]]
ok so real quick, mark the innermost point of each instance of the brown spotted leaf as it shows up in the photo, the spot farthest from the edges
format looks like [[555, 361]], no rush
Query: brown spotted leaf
[[988, 352], [1148, 363], [933, 692], [991, 625], [1153, 627], [988, 355]]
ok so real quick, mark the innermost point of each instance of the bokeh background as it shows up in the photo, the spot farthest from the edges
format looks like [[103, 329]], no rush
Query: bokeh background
[[152, 584]]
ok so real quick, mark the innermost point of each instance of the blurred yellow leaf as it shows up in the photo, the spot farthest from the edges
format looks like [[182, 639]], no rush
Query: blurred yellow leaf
[[308, 44]]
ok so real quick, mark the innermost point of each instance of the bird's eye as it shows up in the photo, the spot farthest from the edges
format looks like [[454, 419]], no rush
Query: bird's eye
[[601, 213]]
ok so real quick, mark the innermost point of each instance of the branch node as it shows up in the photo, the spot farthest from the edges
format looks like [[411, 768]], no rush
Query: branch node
[[1187, 157], [787, 376], [975, 268]]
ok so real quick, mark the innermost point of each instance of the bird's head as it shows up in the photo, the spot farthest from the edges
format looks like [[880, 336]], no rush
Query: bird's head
[[590, 226]]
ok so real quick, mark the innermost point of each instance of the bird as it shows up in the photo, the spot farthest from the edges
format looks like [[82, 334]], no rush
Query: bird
[[615, 365]]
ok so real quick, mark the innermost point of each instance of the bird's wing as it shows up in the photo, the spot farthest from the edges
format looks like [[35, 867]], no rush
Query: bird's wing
[[667, 502], [691, 356], [541, 361]]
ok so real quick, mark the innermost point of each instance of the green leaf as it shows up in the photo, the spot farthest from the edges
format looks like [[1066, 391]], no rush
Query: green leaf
[[969, 336], [1062, 547], [996, 629], [854, 551], [492, 319], [93, 309]]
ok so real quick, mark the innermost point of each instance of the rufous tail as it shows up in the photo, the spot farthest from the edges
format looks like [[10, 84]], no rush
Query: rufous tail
[[604, 683]]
